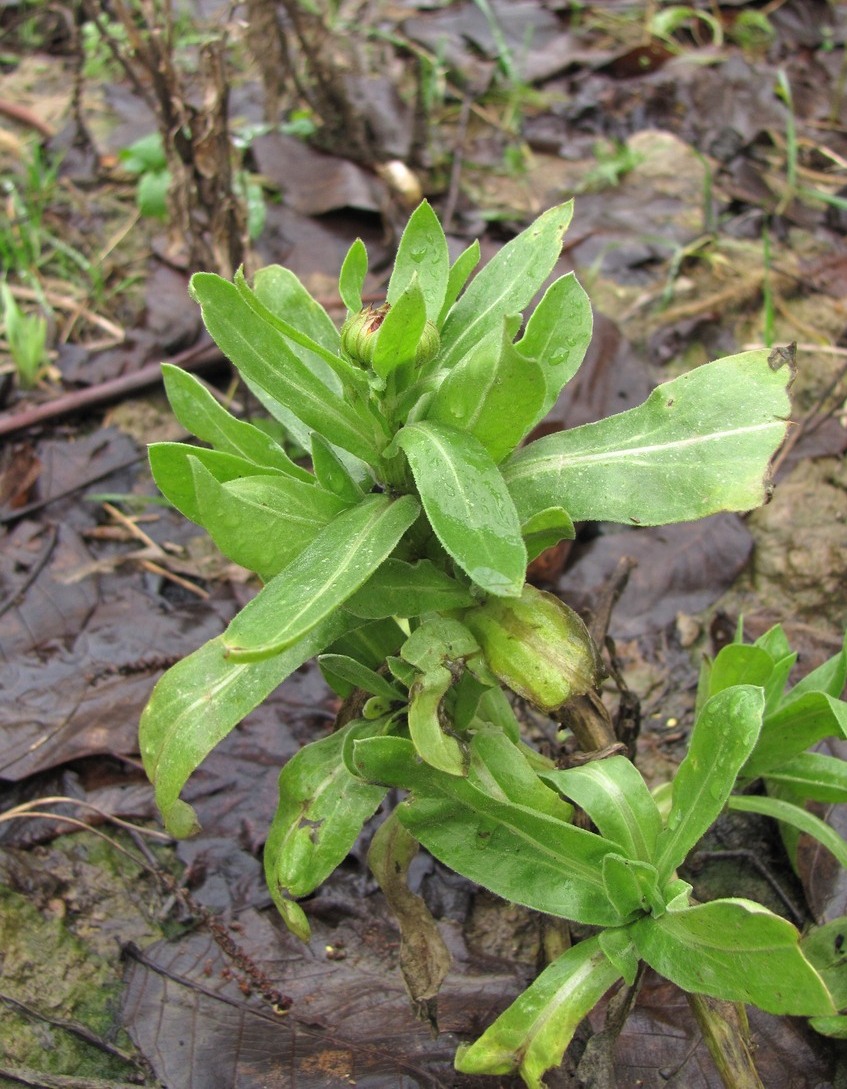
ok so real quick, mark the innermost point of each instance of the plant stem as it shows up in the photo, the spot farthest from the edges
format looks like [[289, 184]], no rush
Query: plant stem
[[726, 1034]]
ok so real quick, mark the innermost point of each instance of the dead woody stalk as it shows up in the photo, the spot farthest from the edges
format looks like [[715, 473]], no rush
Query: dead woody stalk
[[207, 219]]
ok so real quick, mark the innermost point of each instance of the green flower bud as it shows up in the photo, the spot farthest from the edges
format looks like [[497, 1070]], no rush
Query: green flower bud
[[537, 646], [360, 333]]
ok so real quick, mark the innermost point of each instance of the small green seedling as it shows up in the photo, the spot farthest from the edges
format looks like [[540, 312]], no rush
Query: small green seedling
[[26, 335], [399, 559]]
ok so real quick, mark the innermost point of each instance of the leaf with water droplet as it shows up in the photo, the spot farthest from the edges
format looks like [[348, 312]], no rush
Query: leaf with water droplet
[[422, 252], [467, 504], [723, 737]]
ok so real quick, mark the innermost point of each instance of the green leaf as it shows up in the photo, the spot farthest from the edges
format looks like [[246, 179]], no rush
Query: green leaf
[[358, 675], [829, 678], [500, 769], [262, 523], [826, 947], [264, 356], [371, 643], [437, 641], [616, 943], [699, 444], [432, 744], [200, 700], [281, 292], [794, 727], [331, 472], [523, 856], [493, 393], [421, 254], [351, 280], [408, 589], [614, 795], [815, 776], [340, 559], [735, 950], [557, 336], [460, 271], [632, 886], [400, 332], [199, 412], [151, 196], [333, 369], [531, 1036], [546, 529], [506, 284], [170, 464], [467, 504], [320, 814], [723, 737], [796, 817], [739, 663]]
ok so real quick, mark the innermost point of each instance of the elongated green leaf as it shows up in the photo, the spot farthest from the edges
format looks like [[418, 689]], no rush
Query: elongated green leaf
[[265, 358], [351, 280], [333, 369], [524, 856], [735, 950], [722, 739], [500, 769], [506, 284], [199, 412], [358, 675], [432, 744], [557, 336], [794, 815], [320, 814], [460, 271], [467, 504], [371, 643], [826, 947], [422, 254], [815, 776], [331, 472], [830, 678], [200, 700], [340, 559], [493, 393], [279, 289], [408, 589], [739, 663], [437, 641], [632, 886], [699, 444], [401, 330], [263, 523], [170, 464], [794, 727], [531, 1036], [614, 795], [618, 946], [546, 529]]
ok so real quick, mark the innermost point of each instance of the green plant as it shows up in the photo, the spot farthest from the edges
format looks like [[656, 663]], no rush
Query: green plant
[[615, 159], [400, 559], [26, 335], [146, 158]]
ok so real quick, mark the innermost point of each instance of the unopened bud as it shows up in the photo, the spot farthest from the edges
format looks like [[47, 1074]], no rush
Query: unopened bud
[[537, 646], [360, 333]]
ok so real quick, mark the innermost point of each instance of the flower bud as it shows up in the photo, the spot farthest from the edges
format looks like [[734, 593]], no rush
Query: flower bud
[[360, 333], [537, 646]]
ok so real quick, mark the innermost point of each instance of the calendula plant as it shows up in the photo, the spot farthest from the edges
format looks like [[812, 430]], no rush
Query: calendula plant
[[399, 558]]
